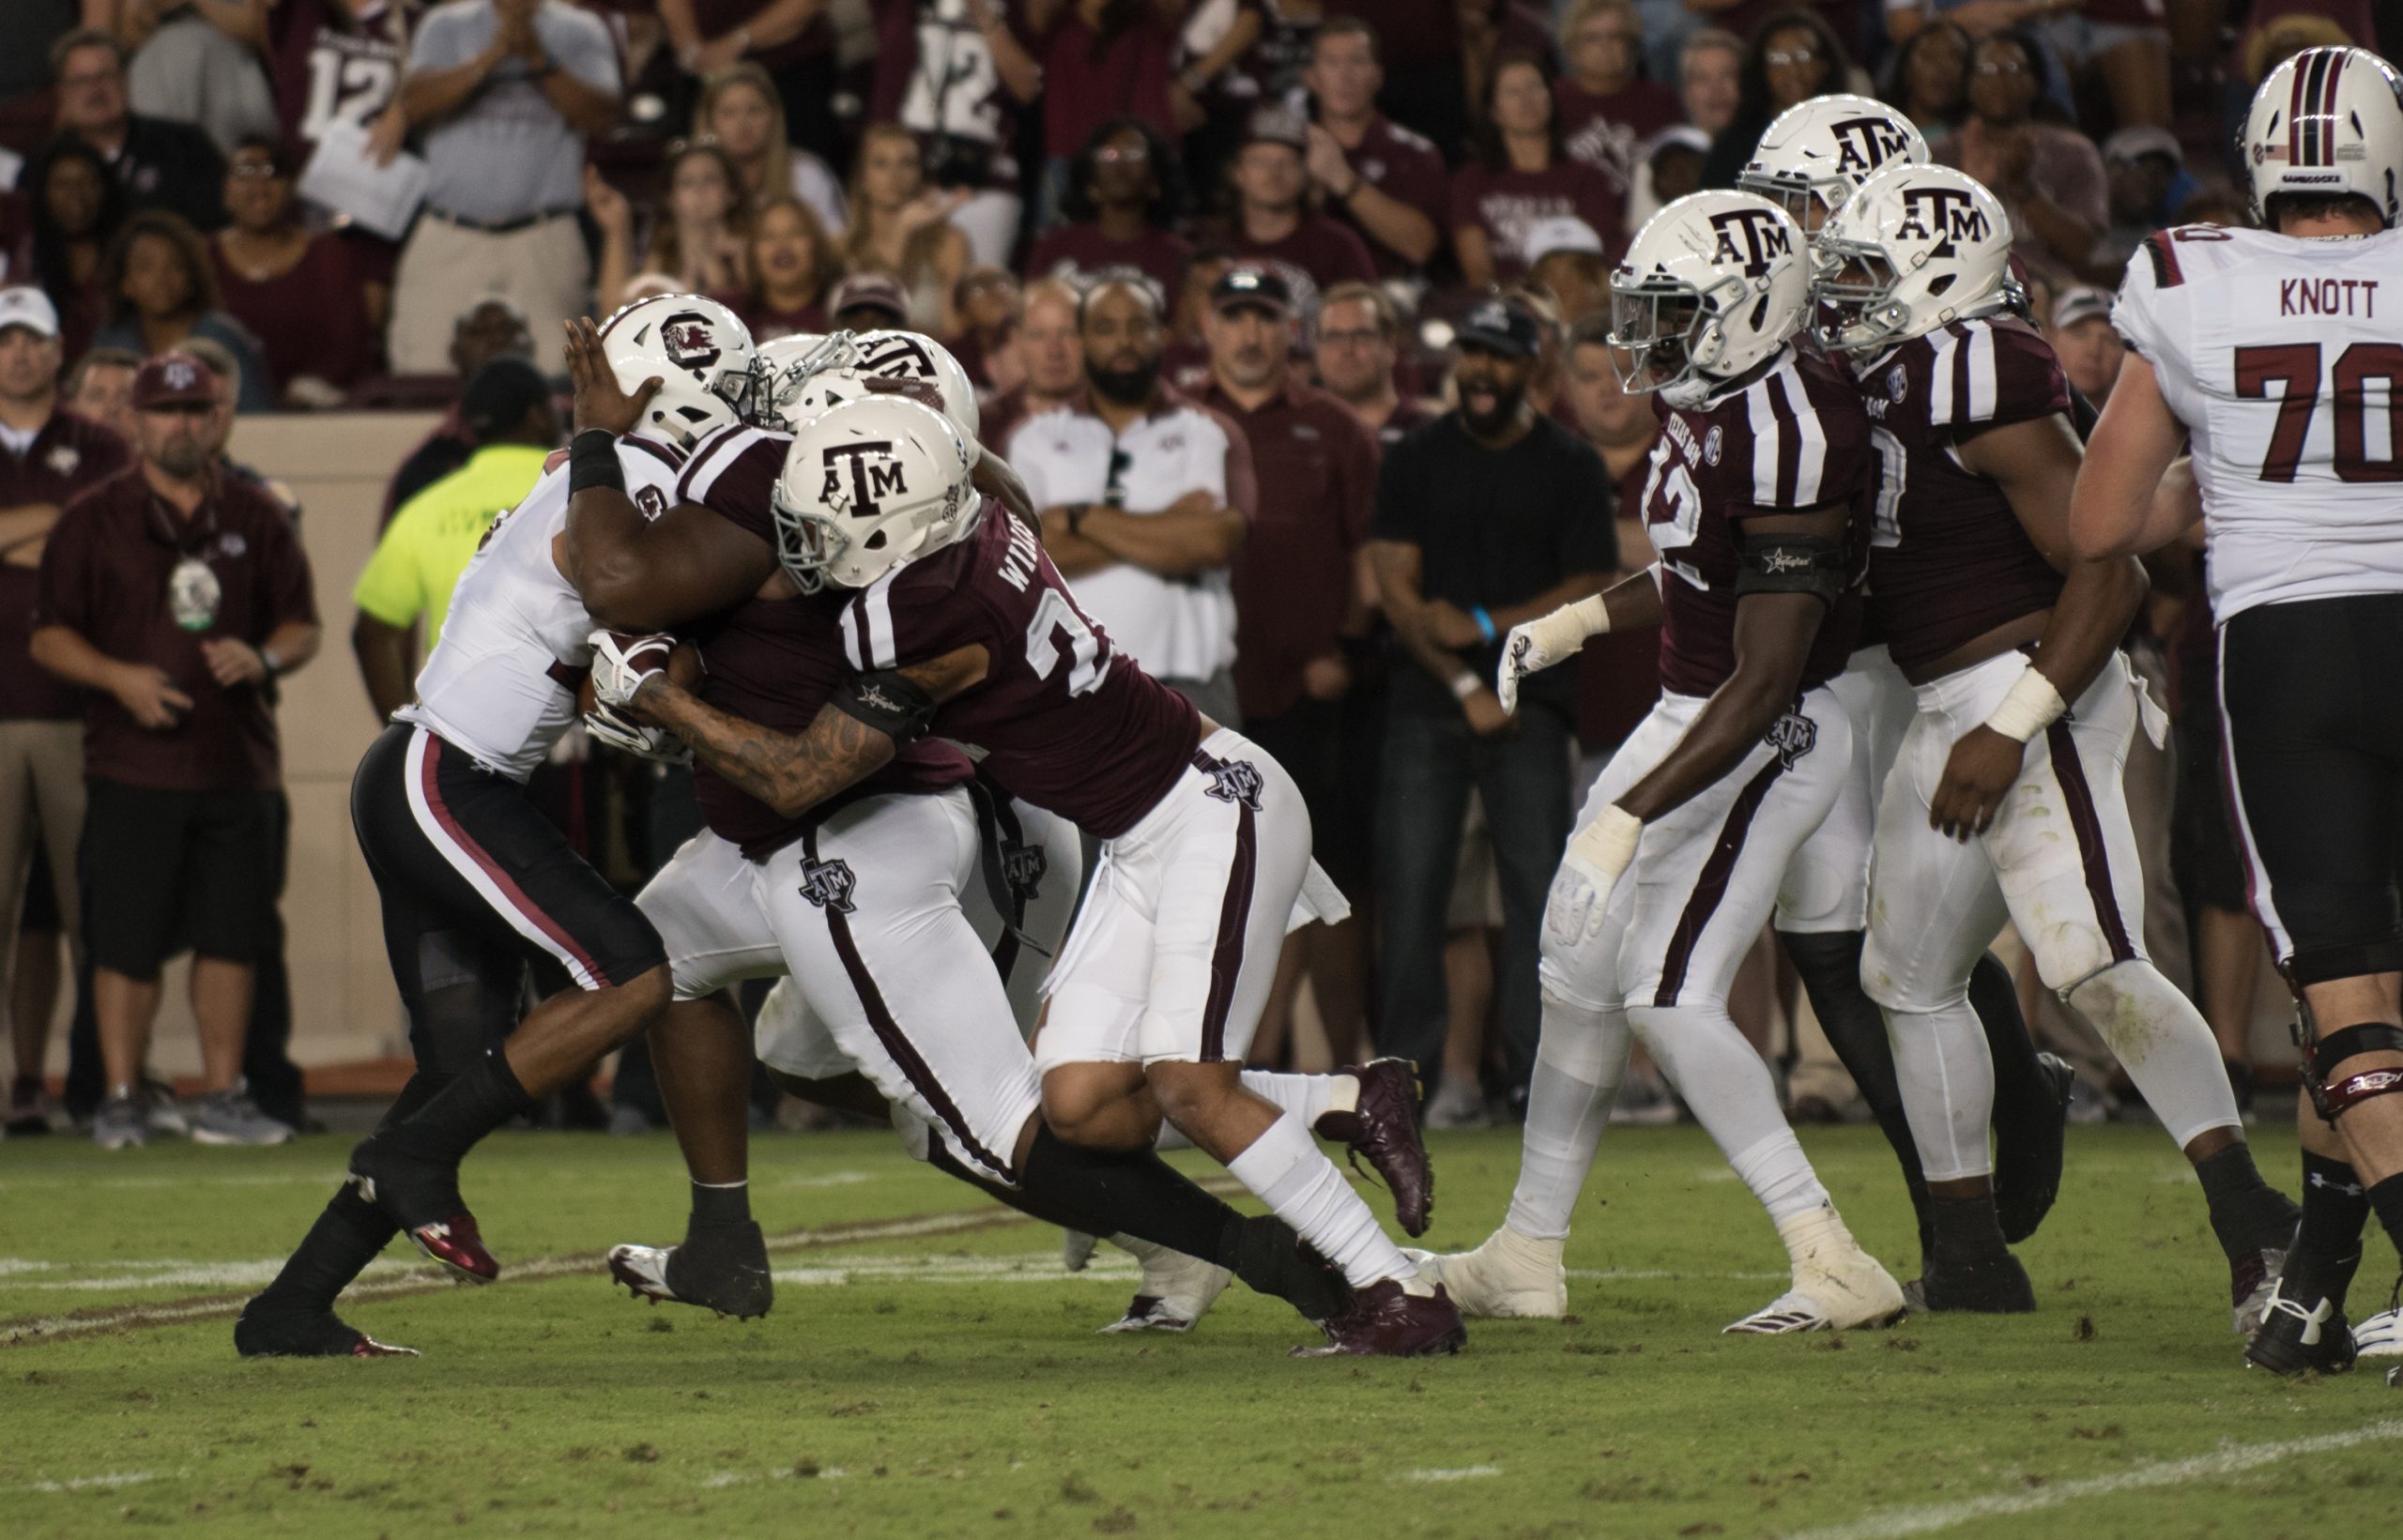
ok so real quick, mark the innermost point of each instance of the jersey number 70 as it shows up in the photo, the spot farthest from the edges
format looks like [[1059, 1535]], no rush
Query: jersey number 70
[[2295, 368]]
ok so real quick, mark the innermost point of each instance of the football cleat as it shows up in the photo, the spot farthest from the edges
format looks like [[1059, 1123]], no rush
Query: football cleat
[[1176, 1290], [719, 1267], [1386, 1320], [423, 1201], [2296, 1339], [2252, 1280], [1837, 1286], [1995, 1286], [321, 1335], [2027, 1154], [1382, 1124], [1510, 1275]]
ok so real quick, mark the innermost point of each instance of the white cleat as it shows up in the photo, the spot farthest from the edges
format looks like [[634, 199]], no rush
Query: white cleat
[[1510, 1275], [1076, 1249], [643, 1271], [1176, 1292], [1794, 1311], [2379, 1335], [1837, 1286]]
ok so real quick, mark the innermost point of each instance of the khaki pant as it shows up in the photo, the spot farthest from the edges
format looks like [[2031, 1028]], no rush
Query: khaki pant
[[447, 267], [41, 800]]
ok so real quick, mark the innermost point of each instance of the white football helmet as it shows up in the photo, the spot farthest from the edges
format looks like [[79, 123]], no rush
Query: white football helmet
[[1712, 285], [868, 484], [1818, 151], [1914, 248], [2327, 122], [795, 363], [701, 353]]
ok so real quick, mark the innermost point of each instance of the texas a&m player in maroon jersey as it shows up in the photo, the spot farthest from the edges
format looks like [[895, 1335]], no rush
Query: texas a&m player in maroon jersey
[[1751, 502], [866, 909], [2004, 801]]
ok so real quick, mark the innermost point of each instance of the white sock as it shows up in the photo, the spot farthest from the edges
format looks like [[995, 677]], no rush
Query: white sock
[[1724, 1081], [1285, 1170], [1303, 1097], [1946, 1072], [1579, 1060], [2161, 1039]]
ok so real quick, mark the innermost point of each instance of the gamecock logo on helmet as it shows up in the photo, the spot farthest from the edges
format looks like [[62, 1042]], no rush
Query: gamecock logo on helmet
[[688, 340]]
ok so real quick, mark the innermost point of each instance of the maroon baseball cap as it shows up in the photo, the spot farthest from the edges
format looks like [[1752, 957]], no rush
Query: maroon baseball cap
[[878, 290], [174, 379]]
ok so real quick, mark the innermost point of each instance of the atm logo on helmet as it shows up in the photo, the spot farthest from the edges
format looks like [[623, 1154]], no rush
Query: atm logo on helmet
[[872, 470], [688, 340], [1944, 215], [1864, 144], [1751, 236]]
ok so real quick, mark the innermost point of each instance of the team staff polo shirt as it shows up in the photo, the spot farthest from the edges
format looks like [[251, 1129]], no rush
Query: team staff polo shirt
[[144, 585], [435, 535], [1176, 628]]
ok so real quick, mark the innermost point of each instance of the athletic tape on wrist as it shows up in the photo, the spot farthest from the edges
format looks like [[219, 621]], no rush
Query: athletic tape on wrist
[[2032, 706], [1608, 843]]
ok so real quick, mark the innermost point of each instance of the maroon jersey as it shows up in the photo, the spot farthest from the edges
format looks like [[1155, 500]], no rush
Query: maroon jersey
[[331, 65], [1507, 205], [1604, 130], [1078, 254], [1794, 438], [1318, 255], [776, 661], [1949, 559], [936, 77], [1067, 721], [1404, 166]]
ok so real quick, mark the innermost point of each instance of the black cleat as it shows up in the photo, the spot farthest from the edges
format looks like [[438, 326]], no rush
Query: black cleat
[[2295, 1338], [319, 1333], [2027, 1154], [1995, 1285], [719, 1267]]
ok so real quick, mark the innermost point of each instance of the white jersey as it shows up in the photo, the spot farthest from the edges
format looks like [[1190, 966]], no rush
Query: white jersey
[[2284, 357], [503, 682]]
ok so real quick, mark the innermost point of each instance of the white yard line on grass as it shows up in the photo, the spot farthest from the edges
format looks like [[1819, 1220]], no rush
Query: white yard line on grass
[[1466, 1473], [103, 1482], [2230, 1460]]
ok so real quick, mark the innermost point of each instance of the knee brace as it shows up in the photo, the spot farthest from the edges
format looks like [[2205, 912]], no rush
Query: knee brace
[[2331, 1100]]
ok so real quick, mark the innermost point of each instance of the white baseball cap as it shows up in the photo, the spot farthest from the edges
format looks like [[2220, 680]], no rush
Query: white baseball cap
[[26, 306], [1561, 232]]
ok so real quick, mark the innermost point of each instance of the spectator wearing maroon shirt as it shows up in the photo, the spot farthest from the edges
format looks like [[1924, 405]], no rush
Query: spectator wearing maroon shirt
[[2050, 178], [793, 40], [987, 300], [47, 456], [955, 73], [697, 233], [739, 109], [299, 293], [1607, 109], [1710, 73], [792, 266], [1522, 176], [175, 595], [1421, 52], [1388, 184], [333, 61], [1122, 199], [1492, 28], [1052, 355], [101, 387], [1102, 59], [76, 209], [1927, 78], [1277, 224], [1359, 338], [1793, 56]]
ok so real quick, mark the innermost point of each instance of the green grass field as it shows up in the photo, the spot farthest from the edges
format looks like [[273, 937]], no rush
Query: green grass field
[[929, 1371]]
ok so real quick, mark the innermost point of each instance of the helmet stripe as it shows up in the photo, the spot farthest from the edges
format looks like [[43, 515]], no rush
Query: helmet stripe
[[2327, 111], [2295, 112]]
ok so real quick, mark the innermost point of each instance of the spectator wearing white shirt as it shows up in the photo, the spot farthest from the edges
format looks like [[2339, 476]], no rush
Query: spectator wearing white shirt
[[1147, 497]]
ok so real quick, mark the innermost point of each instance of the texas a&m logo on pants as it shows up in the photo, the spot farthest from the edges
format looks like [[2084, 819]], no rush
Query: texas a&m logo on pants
[[1792, 736], [1023, 867], [827, 884], [1235, 781]]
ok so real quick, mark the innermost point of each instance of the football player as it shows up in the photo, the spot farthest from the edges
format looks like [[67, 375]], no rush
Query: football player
[[1754, 502], [1809, 161], [2007, 797], [2275, 354], [876, 983], [475, 881]]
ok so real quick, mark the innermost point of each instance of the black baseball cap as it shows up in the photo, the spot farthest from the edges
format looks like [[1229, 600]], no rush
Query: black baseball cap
[[1500, 327], [500, 394], [1239, 286]]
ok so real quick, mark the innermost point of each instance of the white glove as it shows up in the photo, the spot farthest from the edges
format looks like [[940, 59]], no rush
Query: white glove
[[1535, 645], [654, 743], [1589, 869], [621, 662]]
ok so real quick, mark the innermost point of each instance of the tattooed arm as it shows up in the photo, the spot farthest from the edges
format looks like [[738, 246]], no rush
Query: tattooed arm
[[793, 772]]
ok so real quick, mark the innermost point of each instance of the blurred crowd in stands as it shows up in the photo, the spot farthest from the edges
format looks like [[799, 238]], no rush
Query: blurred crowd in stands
[[1233, 251]]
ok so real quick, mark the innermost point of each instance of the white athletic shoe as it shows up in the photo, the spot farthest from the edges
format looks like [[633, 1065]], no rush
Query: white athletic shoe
[[1508, 1276], [1176, 1290], [2379, 1335], [1837, 1286]]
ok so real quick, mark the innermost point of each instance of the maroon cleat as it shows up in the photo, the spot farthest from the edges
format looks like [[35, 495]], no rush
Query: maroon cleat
[[457, 1245], [1385, 1322], [1383, 1126]]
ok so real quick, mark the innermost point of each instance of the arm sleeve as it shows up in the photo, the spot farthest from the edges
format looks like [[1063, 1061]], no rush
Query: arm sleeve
[[390, 587], [581, 42]]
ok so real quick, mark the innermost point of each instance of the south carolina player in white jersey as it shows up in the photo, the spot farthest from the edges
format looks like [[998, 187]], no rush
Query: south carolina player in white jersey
[[955, 623], [2277, 355], [1687, 836], [475, 881], [2004, 800], [1809, 161]]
